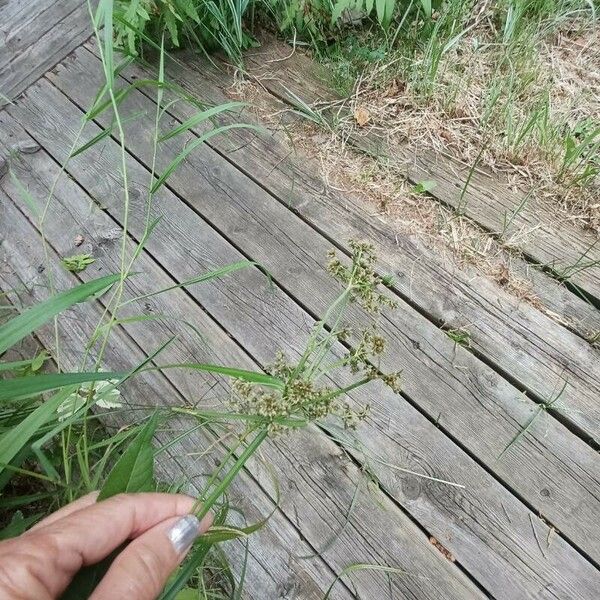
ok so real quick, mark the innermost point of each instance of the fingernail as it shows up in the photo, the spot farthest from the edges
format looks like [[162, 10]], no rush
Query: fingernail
[[184, 532]]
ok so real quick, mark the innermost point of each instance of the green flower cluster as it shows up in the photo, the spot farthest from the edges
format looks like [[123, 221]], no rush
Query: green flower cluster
[[361, 277], [301, 398]]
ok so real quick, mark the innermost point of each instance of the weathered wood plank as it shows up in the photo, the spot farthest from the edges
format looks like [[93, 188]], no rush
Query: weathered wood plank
[[37, 37], [312, 454], [178, 242], [14, 10], [282, 250], [28, 24], [486, 200], [513, 336], [294, 178], [272, 565], [273, 553], [528, 337]]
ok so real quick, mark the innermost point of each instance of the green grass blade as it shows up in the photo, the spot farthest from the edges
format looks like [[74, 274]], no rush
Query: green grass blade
[[30, 320], [192, 146], [24, 387], [13, 366], [242, 264], [25, 195], [103, 134], [192, 563], [364, 567], [12, 442], [134, 471], [250, 376], [200, 118]]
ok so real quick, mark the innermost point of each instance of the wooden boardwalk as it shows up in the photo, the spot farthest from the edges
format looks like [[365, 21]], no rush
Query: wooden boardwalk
[[526, 524]]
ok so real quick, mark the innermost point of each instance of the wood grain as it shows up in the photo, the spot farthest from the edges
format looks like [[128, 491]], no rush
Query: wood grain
[[308, 501], [34, 36], [486, 200], [521, 337], [514, 337], [180, 242]]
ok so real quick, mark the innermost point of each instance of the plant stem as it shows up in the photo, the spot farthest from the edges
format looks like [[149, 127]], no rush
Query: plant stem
[[201, 508]]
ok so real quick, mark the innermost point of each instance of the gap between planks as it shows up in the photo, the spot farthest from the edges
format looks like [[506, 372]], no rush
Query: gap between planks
[[198, 168], [171, 236]]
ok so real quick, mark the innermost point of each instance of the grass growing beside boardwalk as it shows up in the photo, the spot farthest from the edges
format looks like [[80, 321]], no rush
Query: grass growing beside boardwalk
[[510, 85]]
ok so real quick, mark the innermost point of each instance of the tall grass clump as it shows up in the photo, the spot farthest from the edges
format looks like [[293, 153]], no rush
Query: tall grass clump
[[509, 85], [58, 438], [205, 25], [228, 25]]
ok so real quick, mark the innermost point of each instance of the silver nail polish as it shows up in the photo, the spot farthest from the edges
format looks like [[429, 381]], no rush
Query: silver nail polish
[[184, 532]]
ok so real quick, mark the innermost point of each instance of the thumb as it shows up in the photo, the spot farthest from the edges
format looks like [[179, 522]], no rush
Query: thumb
[[141, 571]]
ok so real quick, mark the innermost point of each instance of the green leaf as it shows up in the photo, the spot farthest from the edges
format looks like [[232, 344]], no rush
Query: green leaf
[[25, 387], [134, 471], [192, 146], [221, 272], [78, 262], [187, 594], [191, 11], [250, 376], [193, 561], [426, 4], [171, 23], [365, 567], [223, 533], [18, 525], [13, 502], [13, 441], [13, 366], [103, 134], [25, 195], [339, 7], [200, 117], [30, 320], [425, 186], [38, 361], [380, 8]]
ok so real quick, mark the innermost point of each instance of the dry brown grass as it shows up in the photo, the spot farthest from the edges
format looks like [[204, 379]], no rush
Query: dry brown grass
[[389, 196], [452, 118]]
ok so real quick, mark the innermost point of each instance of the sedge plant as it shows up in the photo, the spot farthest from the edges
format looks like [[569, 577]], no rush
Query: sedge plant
[[58, 433]]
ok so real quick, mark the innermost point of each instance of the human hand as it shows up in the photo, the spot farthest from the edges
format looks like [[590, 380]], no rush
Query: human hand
[[41, 563]]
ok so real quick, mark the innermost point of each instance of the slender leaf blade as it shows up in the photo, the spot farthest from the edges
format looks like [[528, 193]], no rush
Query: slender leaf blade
[[33, 318], [134, 471], [24, 387]]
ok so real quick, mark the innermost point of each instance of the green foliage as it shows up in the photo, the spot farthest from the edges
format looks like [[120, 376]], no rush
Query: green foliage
[[425, 186], [78, 262], [461, 337], [134, 471], [581, 158], [18, 525], [205, 24], [26, 417], [20, 327], [54, 441], [209, 25], [384, 10], [20, 388]]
